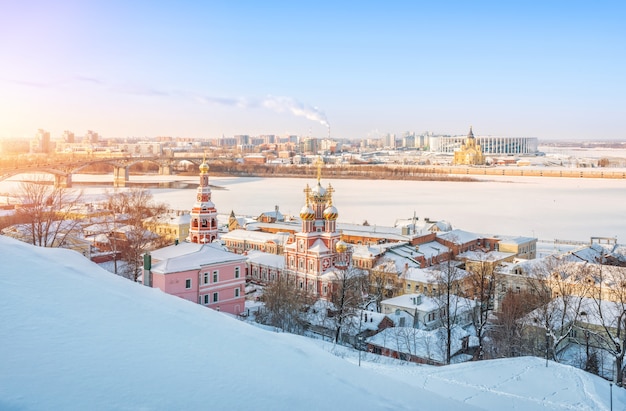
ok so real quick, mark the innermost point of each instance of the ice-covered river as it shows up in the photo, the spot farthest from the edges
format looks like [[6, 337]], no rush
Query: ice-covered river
[[547, 208]]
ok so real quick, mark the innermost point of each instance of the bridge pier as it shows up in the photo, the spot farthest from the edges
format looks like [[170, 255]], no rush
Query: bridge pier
[[120, 176], [63, 181], [165, 169]]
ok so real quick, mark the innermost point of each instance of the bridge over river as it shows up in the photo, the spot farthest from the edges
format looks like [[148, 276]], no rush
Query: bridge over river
[[63, 170]]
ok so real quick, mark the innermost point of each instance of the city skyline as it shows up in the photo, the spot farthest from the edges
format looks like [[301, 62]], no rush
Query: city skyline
[[546, 70]]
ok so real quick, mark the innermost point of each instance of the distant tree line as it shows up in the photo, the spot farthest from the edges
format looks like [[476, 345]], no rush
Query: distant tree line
[[370, 172]]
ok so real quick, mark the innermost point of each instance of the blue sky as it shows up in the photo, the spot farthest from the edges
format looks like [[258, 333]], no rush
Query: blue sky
[[546, 69]]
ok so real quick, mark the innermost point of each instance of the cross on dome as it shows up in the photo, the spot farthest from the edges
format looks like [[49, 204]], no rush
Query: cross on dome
[[319, 163]]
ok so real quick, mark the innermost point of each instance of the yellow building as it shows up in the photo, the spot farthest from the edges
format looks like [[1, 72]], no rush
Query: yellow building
[[470, 153], [173, 225], [522, 247]]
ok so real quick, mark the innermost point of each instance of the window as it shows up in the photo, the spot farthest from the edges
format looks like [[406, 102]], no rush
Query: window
[[237, 272], [214, 276], [206, 298], [188, 283], [236, 292], [408, 287], [215, 297], [206, 278]]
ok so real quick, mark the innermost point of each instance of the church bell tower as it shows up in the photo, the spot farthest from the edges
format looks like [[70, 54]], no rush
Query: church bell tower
[[203, 227]]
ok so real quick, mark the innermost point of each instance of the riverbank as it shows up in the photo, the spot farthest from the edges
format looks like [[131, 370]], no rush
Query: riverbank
[[402, 172]]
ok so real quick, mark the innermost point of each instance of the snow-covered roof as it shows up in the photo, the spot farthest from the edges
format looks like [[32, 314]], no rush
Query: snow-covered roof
[[273, 214], [189, 256], [419, 343], [362, 320], [100, 238], [425, 303], [432, 249], [587, 313], [318, 247], [418, 274], [287, 226], [172, 218], [266, 259], [256, 236], [373, 231], [489, 256], [517, 240], [402, 256], [423, 226], [459, 236]]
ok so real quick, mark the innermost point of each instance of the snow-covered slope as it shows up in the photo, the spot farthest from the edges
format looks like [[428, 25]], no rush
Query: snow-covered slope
[[75, 337]]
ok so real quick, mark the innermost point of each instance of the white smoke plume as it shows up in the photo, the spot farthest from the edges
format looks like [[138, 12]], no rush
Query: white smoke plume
[[277, 104], [282, 104]]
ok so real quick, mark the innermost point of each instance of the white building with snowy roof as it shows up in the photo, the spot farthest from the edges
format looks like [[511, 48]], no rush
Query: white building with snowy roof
[[427, 312], [421, 346]]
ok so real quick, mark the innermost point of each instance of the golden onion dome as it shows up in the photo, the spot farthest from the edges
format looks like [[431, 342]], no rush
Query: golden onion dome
[[204, 168], [307, 213], [330, 213], [341, 246]]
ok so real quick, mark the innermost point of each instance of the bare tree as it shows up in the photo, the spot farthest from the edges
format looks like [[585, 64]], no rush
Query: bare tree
[[347, 295], [48, 213], [560, 288], [482, 280], [383, 281], [284, 306], [506, 331], [609, 298], [138, 207], [446, 278]]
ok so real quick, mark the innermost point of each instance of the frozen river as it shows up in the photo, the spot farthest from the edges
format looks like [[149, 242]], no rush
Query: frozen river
[[546, 208]]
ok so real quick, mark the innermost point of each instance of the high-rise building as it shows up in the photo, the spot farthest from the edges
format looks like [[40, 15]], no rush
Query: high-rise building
[[68, 137], [91, 137], [41, 142]]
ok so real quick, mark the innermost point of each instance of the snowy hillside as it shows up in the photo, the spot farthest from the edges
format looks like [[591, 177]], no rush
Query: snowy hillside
[[75, 337]]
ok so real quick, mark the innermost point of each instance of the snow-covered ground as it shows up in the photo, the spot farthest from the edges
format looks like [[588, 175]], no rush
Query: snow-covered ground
[[75, 337]]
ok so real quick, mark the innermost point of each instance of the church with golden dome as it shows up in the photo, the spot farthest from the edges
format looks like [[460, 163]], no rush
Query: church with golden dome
[[317, 248], [470, 153]]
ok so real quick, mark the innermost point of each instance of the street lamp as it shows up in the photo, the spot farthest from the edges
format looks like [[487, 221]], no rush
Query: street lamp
[[112, 237], [547, 345], [360, 338]]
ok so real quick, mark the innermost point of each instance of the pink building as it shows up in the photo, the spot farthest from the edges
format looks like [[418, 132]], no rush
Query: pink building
[[202, 273]]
